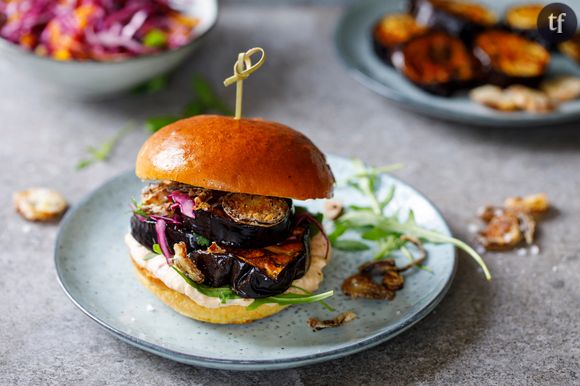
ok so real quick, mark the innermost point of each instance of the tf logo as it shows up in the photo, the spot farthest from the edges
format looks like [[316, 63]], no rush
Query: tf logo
[[557, 22]]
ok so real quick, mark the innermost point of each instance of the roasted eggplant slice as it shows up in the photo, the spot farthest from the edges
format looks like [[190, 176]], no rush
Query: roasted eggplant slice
[[523, 20], [244, 221], [144, 232], [571, 48], [463, 19], [232, 219], [508, 58], [256, 273], [436, 62], [393, 30]]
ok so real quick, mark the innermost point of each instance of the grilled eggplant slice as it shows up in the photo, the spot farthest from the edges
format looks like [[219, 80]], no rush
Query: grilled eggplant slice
[[523, 20], [232, 219], [436, 62], [250, 272], [256, 273], [571, 48], [244, 221], [460, 18], [391, 31], [508, 58], [144, 232]]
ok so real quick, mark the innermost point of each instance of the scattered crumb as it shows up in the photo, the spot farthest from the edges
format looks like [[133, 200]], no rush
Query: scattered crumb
[[534, 250], [39, 204], [150, 308], [345, 317], [513, 98], [522, 252], [132, 320], [562, 88], [473, 228]]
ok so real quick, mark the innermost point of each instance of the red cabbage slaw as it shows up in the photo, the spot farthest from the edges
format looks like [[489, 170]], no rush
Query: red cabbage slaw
[[102, 30]]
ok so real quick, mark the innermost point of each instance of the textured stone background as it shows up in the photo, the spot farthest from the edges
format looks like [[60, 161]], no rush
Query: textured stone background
[[521, 328]]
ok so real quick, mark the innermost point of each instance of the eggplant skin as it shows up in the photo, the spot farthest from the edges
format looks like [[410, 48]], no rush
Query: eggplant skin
[[247, 277], [217, 226], [507, 58], [459, 18], [144, 232], [437, 62], [238, 268]]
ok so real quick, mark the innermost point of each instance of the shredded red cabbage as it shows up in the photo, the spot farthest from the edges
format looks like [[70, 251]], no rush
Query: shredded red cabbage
[[184, 202], [160, 226], [101, 30], [169, 220]]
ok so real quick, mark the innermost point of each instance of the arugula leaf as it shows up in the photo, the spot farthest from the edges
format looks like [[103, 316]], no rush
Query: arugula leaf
[[156, 123], [155, 38], [350, 245], [138, 210], [202, 241], [410, 228], [103, 151], [157, 249], [208, 97], [226, 293], [223, 293], [153, 85], [324, 304], [289, 298]]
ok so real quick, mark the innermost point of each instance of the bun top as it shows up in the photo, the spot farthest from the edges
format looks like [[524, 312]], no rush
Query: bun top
[[250, 156]]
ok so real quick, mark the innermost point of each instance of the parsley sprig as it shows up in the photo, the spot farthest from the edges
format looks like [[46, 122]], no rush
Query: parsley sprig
[[385, 231]]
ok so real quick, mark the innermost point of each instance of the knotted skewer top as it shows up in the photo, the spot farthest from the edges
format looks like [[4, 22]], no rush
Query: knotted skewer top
[[243, 68]]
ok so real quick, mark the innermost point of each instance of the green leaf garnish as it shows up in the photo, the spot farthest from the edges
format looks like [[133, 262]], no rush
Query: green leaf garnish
[[157, 249], [153, 85], [202, 241], [156, 123], [102, 152], [289, 298], [155, 38], [350, 245], [226, 293], [372, 224]]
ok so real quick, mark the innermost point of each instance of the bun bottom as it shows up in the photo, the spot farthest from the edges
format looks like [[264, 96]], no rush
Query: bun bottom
[[187, 307]]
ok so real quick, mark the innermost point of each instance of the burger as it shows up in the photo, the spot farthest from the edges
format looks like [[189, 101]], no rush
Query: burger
[[216, 235]]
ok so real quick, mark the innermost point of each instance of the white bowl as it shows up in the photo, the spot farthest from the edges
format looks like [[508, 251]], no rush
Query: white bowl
[[96, 79]]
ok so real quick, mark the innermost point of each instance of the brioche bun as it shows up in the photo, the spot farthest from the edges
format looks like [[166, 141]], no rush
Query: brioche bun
[[250, 156]]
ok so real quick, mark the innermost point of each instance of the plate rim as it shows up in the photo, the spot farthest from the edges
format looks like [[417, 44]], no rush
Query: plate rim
[[250, 365], [426, 109]]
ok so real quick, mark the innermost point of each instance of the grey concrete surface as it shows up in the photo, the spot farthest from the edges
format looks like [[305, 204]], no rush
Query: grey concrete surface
[[522, 328]]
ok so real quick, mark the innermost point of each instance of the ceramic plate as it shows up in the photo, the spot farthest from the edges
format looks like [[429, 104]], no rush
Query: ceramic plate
[[353, 42], [95, 271]]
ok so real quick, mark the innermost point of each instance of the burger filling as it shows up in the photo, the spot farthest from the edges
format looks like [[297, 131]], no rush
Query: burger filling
[[255, 245]]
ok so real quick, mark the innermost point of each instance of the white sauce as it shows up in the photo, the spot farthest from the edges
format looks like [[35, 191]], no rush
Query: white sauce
[[157, 267]]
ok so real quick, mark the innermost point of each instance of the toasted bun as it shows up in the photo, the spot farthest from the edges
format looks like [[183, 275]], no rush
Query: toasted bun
[[189, 308], [244, 156]]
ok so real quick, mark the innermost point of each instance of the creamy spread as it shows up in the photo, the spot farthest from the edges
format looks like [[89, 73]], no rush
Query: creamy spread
[[157, 267]]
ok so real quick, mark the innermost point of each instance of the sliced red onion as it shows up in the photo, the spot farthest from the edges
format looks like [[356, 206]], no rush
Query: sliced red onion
[[186, 204], [160, 226]]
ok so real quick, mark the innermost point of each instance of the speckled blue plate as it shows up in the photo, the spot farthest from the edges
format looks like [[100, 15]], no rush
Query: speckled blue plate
[[95, 271], [353, 43]]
